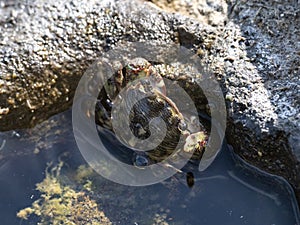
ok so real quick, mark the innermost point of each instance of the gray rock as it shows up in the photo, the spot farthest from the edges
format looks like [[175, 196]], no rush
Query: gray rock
[[47, 46], [262, 76]]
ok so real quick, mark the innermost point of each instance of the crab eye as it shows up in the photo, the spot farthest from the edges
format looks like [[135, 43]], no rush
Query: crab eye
[[182, 126]]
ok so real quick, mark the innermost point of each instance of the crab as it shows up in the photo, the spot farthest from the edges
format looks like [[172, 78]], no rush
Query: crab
[[139, 77]]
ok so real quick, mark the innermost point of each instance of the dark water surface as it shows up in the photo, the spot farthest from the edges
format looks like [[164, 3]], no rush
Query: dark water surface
[[228, 192]]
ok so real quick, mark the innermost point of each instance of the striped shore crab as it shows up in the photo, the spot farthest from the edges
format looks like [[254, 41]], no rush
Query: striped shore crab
[[142, 92]]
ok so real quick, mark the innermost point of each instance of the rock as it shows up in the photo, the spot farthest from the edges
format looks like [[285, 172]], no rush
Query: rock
[[252, 48], [260, 80], [262, 74]]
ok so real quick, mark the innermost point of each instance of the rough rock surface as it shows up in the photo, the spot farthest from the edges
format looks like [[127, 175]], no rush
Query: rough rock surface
[[263, 85], [252, 47]]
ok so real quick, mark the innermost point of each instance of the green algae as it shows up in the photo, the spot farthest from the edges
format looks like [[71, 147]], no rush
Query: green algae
[[71, 198], [61, 204]]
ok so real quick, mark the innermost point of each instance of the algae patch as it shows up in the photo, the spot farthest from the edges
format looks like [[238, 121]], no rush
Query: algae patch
[[60, 204]]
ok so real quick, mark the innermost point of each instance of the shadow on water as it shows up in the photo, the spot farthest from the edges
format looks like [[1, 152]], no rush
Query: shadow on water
[[228, 192]]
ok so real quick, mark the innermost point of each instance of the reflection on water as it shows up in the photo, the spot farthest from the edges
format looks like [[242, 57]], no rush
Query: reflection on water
[[228, 192]]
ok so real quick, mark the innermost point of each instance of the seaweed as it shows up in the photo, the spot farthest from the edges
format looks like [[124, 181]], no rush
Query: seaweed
[[61, 204]]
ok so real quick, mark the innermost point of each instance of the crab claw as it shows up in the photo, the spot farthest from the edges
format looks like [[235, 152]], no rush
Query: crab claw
[[195, 142]]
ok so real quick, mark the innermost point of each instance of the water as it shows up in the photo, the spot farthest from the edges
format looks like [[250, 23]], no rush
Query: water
[[229, 192]]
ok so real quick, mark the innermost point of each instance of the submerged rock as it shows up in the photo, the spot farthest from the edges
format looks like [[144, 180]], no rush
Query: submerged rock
[[253, 51]]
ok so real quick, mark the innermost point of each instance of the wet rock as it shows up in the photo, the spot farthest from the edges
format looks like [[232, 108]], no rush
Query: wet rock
[[256, 58], [262, 74], [252, 47]]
